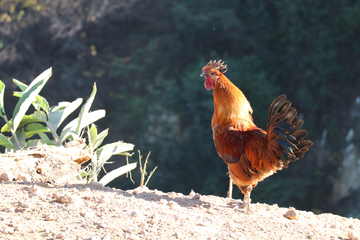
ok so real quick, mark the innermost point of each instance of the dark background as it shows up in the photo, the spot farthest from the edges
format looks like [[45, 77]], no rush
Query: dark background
[[146, 57]]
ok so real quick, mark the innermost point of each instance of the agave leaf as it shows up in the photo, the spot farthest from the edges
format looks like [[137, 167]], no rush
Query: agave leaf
[[99, 139], [105, 152], [29, 96], [4, 141], [20, 135], [39, 102], [2, 90], [73, 125], [85, 110], [59, 113], [116, 173], [45, 139], [26, 119], [33, 143], [21, 85], [35, 128], [92, 134]]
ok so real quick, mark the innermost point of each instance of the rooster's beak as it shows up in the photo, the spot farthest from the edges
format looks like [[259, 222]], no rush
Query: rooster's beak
[[202, 74]]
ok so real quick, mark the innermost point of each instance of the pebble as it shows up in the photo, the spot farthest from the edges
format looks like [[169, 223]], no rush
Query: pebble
[[104, 199], [9, 230], [24, 177], [67, 199], [351, 236], [291, 214], [51, 217], [9, 209], [6, 176]]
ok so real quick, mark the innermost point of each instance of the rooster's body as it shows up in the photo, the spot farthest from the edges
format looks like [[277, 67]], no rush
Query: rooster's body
[[251, 153]]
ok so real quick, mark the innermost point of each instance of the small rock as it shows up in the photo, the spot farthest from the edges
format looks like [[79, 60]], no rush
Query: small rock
[[96, 185], [102, 225], [9, 230], [34, 188], [210, 210], [95, 238], [133, 237], [23, 204], [192, 194], [104, 199], [51, 217], [6, 176], [134, 214], [33, 194], [196, 197], [60, 235], [154, 219], [18, 228], [127, 230], [24, 177], [64, 199], [173, 204], [107, 237], [9, 209], [291, 214], [351, 236], [171, 195]]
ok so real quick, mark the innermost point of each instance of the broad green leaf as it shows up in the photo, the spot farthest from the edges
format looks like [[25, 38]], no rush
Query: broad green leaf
[[95, 138], [4, 141], [41, 103], [28, 97], [20, 134], [26, 119], [45, 139], [35, 128], [125, 154], [85, 110], [92, 134], [116, 173], [73, 125], [100, 138], [59, 113], [2, 90], [39, 115], [21, 85], [18, 94], [33, 143], [60, 106], [105, 152]]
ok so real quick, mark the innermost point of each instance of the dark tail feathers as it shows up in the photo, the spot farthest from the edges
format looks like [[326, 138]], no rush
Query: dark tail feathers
[[284, 127]]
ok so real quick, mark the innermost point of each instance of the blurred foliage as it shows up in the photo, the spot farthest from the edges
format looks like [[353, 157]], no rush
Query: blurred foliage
[[146, 56]]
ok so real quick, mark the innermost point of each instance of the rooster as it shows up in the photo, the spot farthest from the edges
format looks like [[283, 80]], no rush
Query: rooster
[[251, 153]]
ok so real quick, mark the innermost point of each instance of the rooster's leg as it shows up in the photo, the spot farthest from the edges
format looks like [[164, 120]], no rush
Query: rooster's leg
[[229, 194], [247, 202]]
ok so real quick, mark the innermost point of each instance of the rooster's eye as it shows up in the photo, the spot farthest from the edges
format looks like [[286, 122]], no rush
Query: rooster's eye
[[212, 74]]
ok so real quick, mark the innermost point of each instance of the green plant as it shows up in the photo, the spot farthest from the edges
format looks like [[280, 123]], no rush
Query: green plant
[[46, 119], [143, 170]]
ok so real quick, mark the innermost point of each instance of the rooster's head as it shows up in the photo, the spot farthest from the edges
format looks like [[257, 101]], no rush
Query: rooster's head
[[212, 71]]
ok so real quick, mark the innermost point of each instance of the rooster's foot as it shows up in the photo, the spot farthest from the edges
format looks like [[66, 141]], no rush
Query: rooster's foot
[[240, 204]]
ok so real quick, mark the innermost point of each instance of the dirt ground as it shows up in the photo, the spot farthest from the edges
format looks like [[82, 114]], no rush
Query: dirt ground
[[41, 211], [39, 199]]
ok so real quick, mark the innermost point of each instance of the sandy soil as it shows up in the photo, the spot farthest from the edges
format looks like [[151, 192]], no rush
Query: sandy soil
[[78, 211], [40, 198]]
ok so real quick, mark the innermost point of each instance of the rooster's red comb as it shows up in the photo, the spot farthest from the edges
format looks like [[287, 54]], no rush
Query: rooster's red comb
[[219, 65]]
